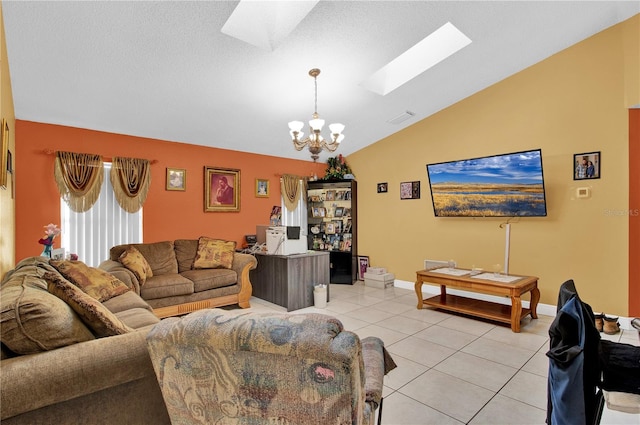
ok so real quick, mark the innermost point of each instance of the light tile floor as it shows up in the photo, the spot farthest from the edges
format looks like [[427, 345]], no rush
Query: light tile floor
[[452, 369]]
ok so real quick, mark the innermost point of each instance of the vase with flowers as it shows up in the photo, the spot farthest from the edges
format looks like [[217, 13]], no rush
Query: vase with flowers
[[50, 232], [337, 168]]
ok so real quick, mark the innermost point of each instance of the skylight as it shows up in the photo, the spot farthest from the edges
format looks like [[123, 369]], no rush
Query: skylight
[[266, 24], [433, 49]]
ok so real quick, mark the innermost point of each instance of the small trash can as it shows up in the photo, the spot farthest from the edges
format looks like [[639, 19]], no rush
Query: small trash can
[[320, 296]]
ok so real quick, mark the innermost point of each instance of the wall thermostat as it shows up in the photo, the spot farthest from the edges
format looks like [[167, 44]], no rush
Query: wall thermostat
[[583, 192]]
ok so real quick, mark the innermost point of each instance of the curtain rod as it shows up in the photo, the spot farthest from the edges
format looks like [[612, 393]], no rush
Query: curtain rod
[[104, 158]]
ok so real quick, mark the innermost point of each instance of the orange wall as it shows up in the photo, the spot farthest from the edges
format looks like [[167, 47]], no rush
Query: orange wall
[[167, 215], [634, 213]]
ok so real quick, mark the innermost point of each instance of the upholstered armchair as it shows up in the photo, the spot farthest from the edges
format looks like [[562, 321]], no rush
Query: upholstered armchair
[[225, 367]]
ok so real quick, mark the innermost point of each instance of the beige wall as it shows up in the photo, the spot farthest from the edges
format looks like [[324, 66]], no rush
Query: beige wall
[[7, 198], [576, 101]]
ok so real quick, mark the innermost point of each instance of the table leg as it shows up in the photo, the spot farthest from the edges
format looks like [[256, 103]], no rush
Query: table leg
[[516, 310], [418, 287], [533, 305]]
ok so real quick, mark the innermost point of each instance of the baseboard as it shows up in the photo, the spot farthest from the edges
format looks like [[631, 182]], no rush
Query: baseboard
[[544, 309]]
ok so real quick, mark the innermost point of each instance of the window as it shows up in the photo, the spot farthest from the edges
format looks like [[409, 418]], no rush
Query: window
[[92, 234]]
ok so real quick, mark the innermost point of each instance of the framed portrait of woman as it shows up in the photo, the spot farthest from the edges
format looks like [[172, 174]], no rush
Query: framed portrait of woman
[[221, 189]]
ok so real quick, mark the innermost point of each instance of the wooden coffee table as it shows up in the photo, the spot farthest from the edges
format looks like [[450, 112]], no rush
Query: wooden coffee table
[[479, 308]]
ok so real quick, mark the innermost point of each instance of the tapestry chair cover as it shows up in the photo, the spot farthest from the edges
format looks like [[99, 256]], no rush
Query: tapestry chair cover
[[225, 367]]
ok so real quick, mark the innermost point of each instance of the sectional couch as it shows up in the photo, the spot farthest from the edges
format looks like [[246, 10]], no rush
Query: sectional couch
[[55, 370]]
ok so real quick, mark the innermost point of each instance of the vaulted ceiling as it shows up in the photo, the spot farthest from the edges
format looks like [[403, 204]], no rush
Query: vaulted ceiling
[[165, 70]]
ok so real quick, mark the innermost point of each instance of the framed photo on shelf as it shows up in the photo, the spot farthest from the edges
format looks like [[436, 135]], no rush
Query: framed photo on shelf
[[331, 228], [262, 188], [221, 189], [337, 225], [339, 211], [330, 195], [176, 179], [363, 264], [586, 165]]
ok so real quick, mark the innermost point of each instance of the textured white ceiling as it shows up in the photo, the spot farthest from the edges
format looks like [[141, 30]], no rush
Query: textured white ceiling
[[165, 70]]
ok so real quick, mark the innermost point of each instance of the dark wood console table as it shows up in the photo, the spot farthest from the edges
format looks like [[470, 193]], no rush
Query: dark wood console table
[[288, 280], [479, 308]]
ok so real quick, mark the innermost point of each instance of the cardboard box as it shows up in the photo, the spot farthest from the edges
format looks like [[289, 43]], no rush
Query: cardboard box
[[382, 281], [376, 270]]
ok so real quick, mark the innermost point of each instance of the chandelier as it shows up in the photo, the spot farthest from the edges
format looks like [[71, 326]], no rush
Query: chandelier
[[315, 141]]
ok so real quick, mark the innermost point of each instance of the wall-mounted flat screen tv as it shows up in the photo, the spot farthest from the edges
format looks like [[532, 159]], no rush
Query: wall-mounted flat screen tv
[[507, 185]]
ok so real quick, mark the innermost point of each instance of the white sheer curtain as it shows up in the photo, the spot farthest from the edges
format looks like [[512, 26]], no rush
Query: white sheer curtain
[[91, 234], [297, 217]]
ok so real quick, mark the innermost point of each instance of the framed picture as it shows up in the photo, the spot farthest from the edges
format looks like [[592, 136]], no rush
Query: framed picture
[[339, 212], [382, 187], [331, 228], [586, 165], [58, 254], [176, 179], [4, 153], [410, 190], [337, 225], [221, 189], [363, 264], [262, 188], [331, 195]]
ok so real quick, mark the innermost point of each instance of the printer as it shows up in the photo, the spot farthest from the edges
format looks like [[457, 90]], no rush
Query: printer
[[285, 240]]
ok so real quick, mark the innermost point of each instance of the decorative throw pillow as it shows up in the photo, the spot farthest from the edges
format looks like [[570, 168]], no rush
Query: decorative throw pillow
[[132, 259], [96, 316], [214, 253], [33, 320], [97, 283]]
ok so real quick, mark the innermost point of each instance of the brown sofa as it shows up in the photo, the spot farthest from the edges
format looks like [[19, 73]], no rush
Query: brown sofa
[[176, 288], [55, 371]]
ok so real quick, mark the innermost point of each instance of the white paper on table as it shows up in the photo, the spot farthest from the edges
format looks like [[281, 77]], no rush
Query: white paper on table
[[499, 278], [451, 272]]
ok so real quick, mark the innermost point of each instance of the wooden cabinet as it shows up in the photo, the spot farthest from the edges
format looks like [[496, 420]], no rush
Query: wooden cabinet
[[333, 225], [288, 280]]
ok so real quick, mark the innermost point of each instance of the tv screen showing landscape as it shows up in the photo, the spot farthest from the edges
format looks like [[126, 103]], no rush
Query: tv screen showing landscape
[[507, 185]]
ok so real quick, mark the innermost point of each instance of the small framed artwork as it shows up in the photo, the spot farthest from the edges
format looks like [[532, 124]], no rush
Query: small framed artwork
[[410, 190], [337, 226], [262, 188], [331, 228], [339, 212], [58, 254], [363, 264], [382, 187], [176, 179], [586, 165], [331, 195], [221, 189]]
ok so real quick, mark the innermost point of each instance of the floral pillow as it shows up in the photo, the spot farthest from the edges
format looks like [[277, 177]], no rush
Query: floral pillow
[[133, 259], [214, 253], [97, 283], [96, 316]]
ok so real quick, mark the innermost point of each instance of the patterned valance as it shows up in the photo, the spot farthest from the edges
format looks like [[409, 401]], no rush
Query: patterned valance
[[130, 178], [79, 178]]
